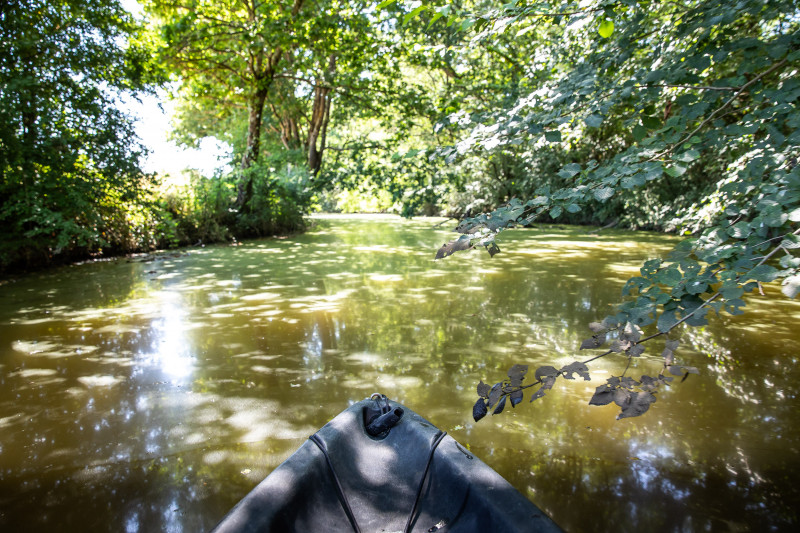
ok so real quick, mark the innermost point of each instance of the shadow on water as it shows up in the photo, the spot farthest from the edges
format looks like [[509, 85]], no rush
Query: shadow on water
[[153, 393]]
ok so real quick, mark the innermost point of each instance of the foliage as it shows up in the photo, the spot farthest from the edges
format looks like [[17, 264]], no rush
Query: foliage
[[68, 156], [697, 95]]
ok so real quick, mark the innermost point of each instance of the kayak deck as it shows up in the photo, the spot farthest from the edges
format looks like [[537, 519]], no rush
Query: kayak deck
[[411, 477]]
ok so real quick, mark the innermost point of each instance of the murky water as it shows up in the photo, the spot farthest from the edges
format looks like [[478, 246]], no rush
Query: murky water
[[151, 396]]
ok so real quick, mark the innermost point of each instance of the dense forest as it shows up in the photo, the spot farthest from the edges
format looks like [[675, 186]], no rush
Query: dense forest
[[671, 116]]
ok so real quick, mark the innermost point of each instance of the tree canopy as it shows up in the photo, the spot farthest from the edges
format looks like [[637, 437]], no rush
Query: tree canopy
[[687, 109], [68, 156]]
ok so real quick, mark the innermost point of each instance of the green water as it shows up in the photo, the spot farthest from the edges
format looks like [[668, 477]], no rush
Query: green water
[[151, 394]]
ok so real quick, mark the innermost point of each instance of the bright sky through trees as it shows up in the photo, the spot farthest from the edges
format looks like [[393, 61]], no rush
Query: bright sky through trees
[[153, 115]]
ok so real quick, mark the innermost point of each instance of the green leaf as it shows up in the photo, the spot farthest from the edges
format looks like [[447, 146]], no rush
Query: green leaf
[[675, 170], [606, 29], [604, 193], [553, 136], [666, 321], [593, 121], [415, 13], [571, 169], [639, 132], [555, 212], [385, 4], [763, 273]]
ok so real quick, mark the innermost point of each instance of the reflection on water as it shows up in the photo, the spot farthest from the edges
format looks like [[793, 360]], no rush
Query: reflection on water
[[151, 394]]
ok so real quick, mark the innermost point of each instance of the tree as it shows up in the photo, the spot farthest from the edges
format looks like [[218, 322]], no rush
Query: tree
[[68, 156], [284, 62], [695, 96]]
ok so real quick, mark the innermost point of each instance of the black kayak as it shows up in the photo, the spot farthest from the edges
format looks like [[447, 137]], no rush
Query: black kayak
[[380, 467]]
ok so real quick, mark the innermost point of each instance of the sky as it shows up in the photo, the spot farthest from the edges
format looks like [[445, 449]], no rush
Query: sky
[[153, 114]]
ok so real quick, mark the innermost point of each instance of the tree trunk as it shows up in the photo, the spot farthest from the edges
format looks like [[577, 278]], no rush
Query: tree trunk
[[255, 111], [320, 116]]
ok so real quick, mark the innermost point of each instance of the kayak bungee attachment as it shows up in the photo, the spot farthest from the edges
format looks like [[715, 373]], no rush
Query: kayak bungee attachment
[[379, 418]]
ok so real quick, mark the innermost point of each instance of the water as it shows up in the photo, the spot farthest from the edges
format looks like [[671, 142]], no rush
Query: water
[[151, 394]]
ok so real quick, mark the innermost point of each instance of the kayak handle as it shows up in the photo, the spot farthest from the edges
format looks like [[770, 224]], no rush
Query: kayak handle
[[384, 422]]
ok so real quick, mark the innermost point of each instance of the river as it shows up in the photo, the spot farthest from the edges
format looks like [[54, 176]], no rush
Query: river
[[151, 393]]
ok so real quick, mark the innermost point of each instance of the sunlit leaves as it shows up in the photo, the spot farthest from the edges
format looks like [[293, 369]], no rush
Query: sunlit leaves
[[606, 28]]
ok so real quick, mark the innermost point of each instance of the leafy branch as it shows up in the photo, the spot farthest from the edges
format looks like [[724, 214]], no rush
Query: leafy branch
[[634, 397]]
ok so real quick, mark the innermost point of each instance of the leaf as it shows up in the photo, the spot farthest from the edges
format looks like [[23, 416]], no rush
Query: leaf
[[622, 397], [483, 389], [636, 350], [555, 212], [517, 371], [675, 170], [545, 372], [675, 370], [553, 136], [571, 169], [639, 132], [492, 248], [631, 332], [606, 28], [604, 193], [763, 273], [547, 384], [791, 286], [516, 397], [516, 374], [672, 344], [385, 3], [576, 367], [649, 383], [595, 341], [500, 406], [667, 320], [593, 121], [461, 243], [479, 410], [603, 395], [598, 327], [494, 395], [414, 14], [639, 404]]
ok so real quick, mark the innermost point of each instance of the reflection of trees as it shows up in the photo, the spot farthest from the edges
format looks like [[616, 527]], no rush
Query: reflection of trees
[[284, 333]]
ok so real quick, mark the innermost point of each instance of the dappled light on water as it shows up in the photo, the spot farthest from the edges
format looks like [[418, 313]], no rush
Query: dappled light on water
[[151, 393]]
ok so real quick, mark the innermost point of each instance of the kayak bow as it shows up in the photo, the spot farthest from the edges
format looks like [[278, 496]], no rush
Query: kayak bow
[[380, 467]]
